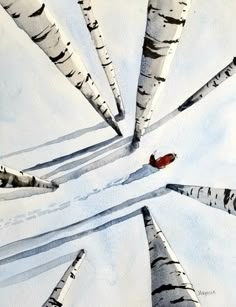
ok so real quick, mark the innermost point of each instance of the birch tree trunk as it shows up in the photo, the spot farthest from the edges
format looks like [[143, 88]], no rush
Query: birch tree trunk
[[212, 84], [96, 35], [58, 295], [170, 284], [10, 178], [165, 21], [33, 17], [223, 199]]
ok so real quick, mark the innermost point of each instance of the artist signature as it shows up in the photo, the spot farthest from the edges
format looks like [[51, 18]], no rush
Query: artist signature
[[201, 292]]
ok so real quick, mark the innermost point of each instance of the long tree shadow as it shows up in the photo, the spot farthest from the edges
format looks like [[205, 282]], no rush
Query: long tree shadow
[[93, 165], [72, 155], [95, 147], [26, 275], [23, 193], [124, 151], [63, 138], [44, 238]]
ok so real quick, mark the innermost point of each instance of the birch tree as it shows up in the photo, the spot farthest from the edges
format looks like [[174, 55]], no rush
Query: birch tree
[[165, 21], [106, 62], [58, 294], [208, 87], [10, 178], [170, 284], [34, 18], [223, 199]]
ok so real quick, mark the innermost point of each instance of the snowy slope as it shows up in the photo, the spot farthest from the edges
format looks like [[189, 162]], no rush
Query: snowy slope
[[38, 105]]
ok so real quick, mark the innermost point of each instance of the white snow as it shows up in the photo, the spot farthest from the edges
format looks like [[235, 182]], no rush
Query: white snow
[[38, 105]]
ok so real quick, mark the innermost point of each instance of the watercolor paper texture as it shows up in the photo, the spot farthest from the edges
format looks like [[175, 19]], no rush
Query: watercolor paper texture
[[36, 21], [170, 284], [165, 22], [69, 182], [95, 32]]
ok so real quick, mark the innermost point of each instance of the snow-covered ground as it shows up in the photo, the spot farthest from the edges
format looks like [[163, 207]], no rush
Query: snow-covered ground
[[39, 105]]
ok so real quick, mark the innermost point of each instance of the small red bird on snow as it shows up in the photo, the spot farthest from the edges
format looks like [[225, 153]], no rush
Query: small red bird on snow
[[162, 162]]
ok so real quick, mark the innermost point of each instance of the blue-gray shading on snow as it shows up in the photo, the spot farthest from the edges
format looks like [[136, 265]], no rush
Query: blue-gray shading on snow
[[60, 139], [27, 243], [59, 242], [73, 154], [23, 193], [145, 171], [31, 273]]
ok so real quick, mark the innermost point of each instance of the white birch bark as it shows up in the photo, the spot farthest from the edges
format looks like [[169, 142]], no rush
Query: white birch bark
[[10, 178], [212, 84], [165, 21], [223, 199], [33, 17], [58, 295], [106, 62], [170, 284]]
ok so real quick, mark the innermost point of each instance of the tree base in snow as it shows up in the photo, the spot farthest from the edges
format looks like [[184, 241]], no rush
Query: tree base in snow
[[120, 116], [134, 145]]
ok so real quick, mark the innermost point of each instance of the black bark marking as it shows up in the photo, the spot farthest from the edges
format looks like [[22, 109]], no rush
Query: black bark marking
[[171, 20], [87, 78], [92, 26], [146, 76], [38, 12], [198, 193], [59, 56], [15, 15], [168, 263], [183, 3], [226, 197], [61, 62], [87, 8], [104, 65], [188, 103], [149, 49], [70, 74], [234, 204], [98, 48], [168, 288], [215, 84], [55, 302], [160, 79], [209, 192], [182, 299], [150, 7], [6, 7], [140, 106], [171, 41], [33, 181], [79, 85], [175, 187], [37, 38], [153, 263], [143, 93]]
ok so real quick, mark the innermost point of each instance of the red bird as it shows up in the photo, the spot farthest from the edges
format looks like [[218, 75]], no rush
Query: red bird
[[162, 162]]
